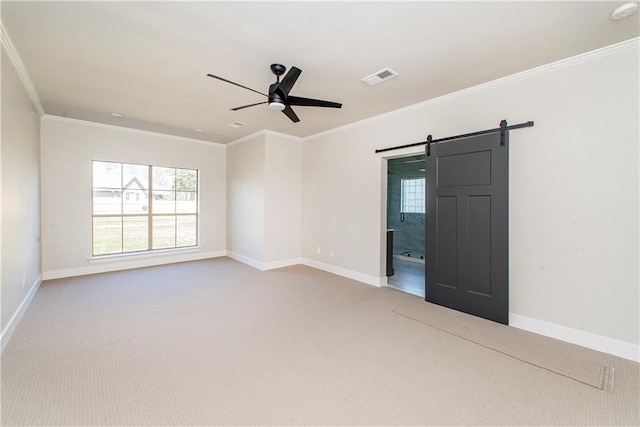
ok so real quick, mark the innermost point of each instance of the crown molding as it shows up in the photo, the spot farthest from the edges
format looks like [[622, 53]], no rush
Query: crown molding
[[129, 130], [593, 55], [10, 48], [557, 65], [265, 133], [268, 132], [249, 137]]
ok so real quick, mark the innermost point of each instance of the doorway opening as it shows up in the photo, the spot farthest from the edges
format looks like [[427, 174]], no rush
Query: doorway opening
[[467, 182], [406, 224]]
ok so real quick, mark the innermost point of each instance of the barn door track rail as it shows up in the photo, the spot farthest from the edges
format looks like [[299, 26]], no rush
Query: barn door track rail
[[504, 127]]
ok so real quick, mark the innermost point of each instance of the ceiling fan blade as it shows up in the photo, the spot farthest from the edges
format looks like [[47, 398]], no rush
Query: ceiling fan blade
[[236, 84], [291, 114], [289, 80], [247, 106], [308, 102]]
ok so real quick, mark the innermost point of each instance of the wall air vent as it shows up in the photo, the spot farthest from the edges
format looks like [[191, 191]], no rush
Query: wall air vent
[[379, 77], [236, 124]]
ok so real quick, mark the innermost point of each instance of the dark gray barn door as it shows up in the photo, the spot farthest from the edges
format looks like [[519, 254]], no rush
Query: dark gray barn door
[[467, 226]]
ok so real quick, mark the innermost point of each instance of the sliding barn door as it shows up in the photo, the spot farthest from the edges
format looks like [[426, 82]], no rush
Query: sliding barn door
[[467, 226]]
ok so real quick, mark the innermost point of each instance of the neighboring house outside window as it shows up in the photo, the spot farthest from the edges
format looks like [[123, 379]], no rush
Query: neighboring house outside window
[[143, 208]]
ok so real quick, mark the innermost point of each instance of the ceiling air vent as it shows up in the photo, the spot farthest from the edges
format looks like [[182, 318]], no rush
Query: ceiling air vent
[[379, 77], [236, 124]]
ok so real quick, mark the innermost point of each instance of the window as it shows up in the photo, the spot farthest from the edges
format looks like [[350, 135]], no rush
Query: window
[[143, 208], [413, 195]]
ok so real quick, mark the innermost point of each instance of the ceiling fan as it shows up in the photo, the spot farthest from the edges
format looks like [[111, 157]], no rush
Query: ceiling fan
[[279, 98]]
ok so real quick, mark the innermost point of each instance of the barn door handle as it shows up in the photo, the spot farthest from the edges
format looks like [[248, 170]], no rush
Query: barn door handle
[[401, 216]]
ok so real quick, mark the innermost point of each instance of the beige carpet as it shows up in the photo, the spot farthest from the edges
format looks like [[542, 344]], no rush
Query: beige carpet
[[555, 356], [216, 342]]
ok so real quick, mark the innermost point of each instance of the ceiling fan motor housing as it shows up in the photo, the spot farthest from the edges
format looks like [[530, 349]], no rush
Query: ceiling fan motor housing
[[276, 100]]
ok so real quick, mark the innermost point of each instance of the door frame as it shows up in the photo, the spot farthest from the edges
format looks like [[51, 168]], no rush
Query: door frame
[[384, 168]]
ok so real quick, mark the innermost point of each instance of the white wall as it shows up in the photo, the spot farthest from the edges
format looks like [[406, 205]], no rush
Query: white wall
[[341, 199], [264, 188], [574, 187], [20, 229], [246, 193], [69, 146], [283, 198]]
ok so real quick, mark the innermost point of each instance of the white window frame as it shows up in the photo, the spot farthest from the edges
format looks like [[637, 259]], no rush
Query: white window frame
[[149, 211]]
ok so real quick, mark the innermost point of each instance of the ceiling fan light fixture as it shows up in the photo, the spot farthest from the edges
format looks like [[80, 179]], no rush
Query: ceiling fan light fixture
[[276, 105]]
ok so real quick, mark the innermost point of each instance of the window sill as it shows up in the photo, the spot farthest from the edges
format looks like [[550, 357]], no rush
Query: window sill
[[139, 255]]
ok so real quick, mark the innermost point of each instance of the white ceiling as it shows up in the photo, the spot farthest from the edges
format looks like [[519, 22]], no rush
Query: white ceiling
[[149, 60]]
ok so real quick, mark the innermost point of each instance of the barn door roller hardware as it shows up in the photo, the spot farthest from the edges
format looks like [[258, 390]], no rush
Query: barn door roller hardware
[[504, 127]]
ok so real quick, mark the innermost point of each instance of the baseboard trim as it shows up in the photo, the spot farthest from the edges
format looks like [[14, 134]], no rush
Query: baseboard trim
[[17, 316], [246, 260], [618, 348], [350, 274], [263, 266], [119, 264], [282, 263]]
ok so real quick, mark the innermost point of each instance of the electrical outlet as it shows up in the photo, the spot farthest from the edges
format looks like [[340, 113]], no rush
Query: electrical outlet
[[24, 281], [318, 250], [332, 254]]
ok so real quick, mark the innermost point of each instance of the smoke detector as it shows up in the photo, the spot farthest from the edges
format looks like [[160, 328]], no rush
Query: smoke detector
[[379, 77]]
